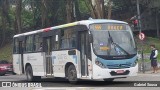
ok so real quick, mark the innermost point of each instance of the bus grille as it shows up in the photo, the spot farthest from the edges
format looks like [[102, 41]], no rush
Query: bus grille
[[118, 66]]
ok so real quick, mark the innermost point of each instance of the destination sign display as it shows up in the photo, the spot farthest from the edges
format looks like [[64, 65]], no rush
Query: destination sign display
[[108, 27]]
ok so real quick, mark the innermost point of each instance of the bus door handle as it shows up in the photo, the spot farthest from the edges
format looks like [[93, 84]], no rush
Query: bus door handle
[[72, 52]]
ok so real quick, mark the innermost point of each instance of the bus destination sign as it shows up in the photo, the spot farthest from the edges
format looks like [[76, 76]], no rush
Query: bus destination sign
[[108, 27]]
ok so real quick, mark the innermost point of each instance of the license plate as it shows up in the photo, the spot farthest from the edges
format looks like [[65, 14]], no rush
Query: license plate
[[120, 71]]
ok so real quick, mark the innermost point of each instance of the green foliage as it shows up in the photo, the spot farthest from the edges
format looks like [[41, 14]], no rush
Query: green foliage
[[6, 53], [83, 7], [146, 45], [27, 19], [147, 42]]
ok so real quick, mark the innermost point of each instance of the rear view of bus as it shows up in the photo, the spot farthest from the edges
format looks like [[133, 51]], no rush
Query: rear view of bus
[[114, 51]]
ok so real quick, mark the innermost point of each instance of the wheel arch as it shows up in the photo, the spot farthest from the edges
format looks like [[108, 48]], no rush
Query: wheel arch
[[28, 64]]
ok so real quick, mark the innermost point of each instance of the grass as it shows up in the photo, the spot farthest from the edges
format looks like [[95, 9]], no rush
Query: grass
[[6, 53], [145, 45]]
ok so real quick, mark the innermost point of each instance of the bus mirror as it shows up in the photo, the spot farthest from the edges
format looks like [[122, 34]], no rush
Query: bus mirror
[[90, 38], [56, 37]]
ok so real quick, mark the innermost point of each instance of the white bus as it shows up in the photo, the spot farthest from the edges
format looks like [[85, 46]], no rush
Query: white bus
[[87, 49]]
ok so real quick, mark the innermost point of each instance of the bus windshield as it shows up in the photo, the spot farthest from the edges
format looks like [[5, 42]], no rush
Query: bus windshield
[[113, 41]]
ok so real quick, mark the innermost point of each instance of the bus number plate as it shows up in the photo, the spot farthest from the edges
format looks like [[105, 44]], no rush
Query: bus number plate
[[119, 71]]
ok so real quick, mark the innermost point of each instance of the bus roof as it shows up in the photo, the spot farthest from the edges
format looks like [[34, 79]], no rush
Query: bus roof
[[88, 22], [83, 22]]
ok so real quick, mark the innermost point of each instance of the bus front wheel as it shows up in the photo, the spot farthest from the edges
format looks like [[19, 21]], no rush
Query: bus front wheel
[[29, 75], [72, 74]]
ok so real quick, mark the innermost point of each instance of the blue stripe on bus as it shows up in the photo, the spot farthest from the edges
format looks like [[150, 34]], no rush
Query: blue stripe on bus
[[116, 62]]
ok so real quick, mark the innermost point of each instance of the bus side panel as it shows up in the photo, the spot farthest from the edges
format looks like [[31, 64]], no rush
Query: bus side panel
[[16, 63], [37, 63], [59, 60]]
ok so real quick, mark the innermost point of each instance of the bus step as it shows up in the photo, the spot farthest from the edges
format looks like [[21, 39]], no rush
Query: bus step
[[85, 77], [49, 76]]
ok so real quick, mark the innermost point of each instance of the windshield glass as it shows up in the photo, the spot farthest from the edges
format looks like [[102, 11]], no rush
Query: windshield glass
[[113, 42]]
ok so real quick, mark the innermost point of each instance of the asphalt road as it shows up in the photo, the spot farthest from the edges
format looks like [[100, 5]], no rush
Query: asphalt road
[[62, 84]]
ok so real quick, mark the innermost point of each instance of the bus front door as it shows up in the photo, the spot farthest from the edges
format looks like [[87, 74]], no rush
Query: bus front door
[[84, 54], [48, 59]]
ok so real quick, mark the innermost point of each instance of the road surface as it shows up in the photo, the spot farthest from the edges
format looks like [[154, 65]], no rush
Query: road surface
[[139, 82]]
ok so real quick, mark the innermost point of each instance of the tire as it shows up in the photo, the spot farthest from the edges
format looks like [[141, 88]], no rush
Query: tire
[[72, 74], [13, 73], [29, 75], [2, 74]]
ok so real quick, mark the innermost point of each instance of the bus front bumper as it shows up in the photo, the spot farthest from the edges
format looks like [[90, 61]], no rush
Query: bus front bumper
[[99, 73]]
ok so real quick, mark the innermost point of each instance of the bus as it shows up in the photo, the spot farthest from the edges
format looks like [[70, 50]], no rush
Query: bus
[[88, 49]]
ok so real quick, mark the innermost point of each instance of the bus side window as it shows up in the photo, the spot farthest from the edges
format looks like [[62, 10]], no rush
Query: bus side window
[[73, 40], [56, 44], [73, 43], [56, 41], [64, 40], [38, 43], [29, 43], [16, 46], [40, 47], [68, 38]]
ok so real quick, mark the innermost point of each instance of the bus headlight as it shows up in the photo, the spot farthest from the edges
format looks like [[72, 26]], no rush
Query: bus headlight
[[100, 64]]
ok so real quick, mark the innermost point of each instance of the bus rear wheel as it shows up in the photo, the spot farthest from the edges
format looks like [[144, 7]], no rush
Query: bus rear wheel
[[2, 74], [29, 75], [72, 74]]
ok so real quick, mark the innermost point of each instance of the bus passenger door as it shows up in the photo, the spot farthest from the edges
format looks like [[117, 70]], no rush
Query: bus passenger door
[[84, 54], [21, 62], [48, 52]]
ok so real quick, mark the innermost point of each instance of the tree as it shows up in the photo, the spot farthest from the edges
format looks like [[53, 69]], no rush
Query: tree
[[77, 11], [109, 9], [18, 25], [4, 18], [69, 10], [44, 13], [99, 8]]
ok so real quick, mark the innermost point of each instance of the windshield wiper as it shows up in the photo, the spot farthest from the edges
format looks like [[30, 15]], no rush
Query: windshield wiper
[[116, 45]]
